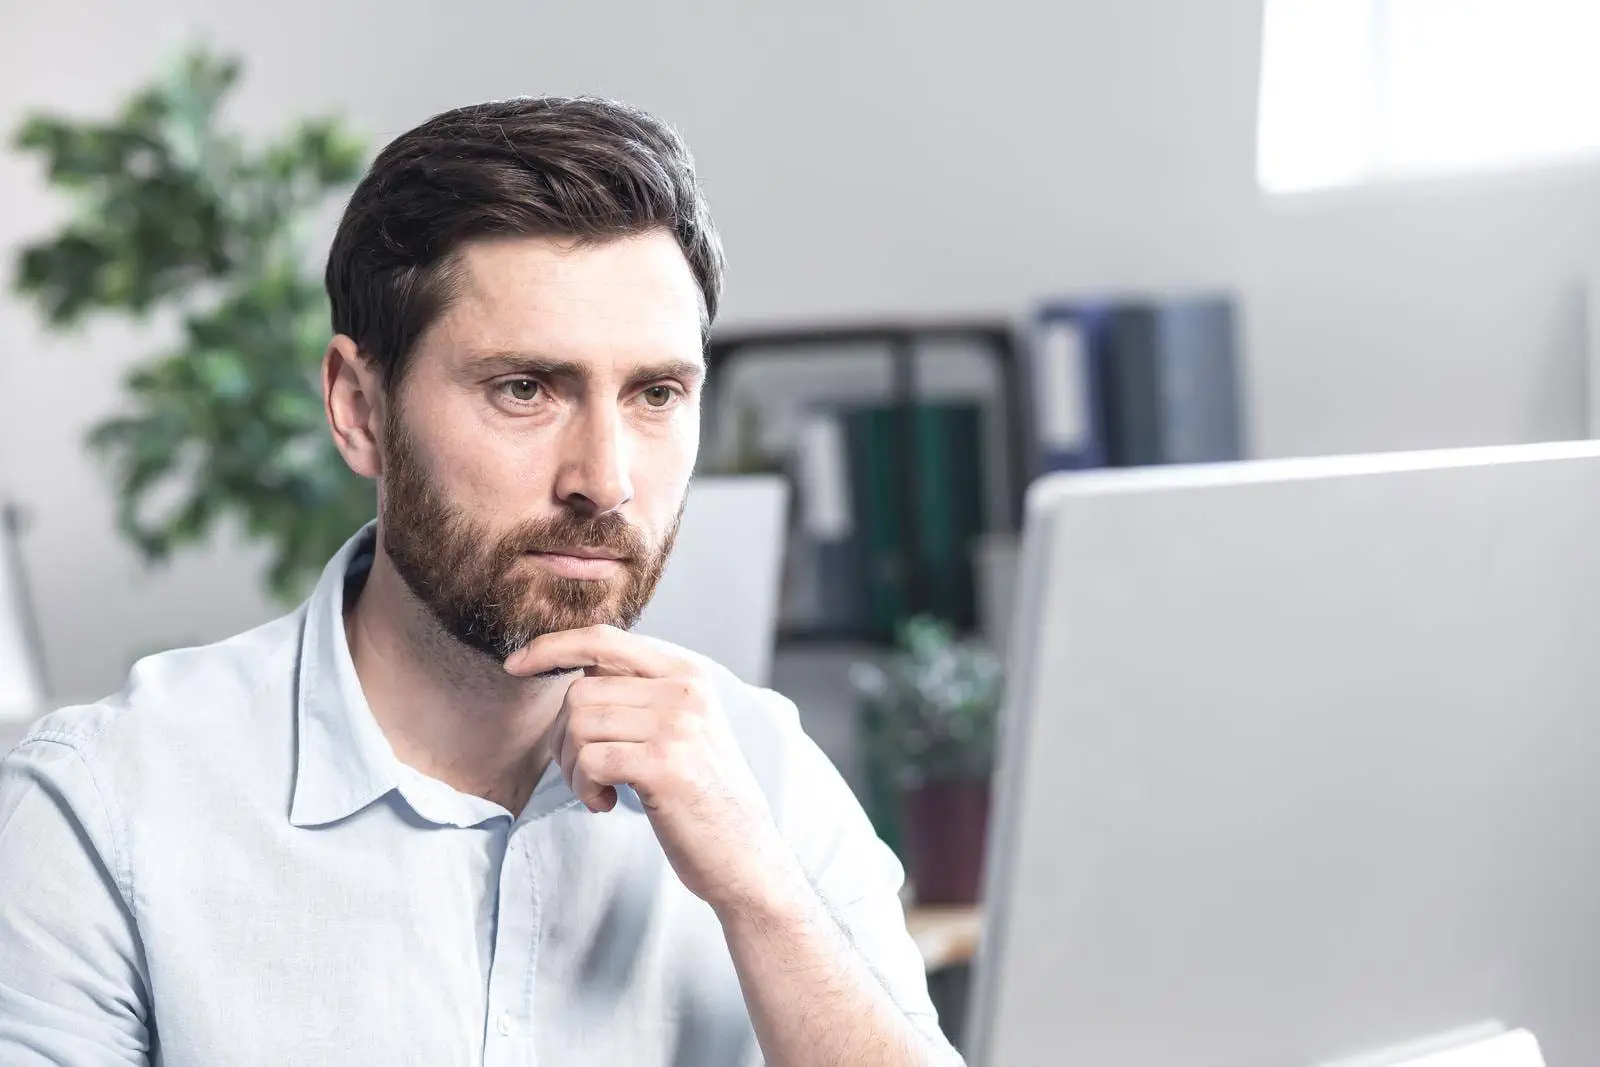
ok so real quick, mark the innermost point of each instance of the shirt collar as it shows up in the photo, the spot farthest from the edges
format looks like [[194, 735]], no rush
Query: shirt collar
[[343, 762]]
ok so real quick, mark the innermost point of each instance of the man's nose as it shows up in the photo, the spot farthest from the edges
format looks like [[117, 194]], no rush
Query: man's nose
[[594, 476]]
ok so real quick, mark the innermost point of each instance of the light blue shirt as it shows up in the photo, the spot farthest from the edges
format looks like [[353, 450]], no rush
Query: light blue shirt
[[226, 864]]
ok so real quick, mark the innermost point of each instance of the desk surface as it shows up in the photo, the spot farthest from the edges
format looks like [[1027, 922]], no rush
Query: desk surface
[[946, 934]]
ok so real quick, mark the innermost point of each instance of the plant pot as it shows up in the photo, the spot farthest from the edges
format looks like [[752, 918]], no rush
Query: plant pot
[[945, 825]]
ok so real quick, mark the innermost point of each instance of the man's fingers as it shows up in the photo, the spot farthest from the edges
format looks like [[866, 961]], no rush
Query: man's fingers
[[599, 650], [602, 766], [619, 689], [588, 723]]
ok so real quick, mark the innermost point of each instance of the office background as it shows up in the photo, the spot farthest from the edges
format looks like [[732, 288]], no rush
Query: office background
[[864, 159]]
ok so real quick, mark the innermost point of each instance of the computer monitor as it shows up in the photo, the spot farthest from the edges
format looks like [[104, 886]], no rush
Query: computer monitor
[[719, 593], [1301, 762]]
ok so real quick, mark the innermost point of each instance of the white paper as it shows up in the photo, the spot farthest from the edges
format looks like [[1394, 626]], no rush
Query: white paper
[[1062, 397], [824, 480]]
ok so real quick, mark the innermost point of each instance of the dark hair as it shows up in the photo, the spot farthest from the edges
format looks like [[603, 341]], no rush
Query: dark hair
[[584, 168]]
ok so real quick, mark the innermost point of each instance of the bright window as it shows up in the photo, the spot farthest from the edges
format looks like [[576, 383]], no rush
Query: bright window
[[1353, 90]]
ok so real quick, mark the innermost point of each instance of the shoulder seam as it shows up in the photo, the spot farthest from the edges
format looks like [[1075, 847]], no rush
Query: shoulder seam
[[120, 871], [69, 738], [123, 872]]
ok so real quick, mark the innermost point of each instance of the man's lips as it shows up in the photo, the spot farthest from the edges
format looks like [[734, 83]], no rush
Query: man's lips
[[580, 552], [589, 564]]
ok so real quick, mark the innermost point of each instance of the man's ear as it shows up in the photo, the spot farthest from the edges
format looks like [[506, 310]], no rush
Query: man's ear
[[353, 400]]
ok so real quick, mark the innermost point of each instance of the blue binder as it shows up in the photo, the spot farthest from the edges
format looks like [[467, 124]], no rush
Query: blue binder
[[1067, 351], [1132, 382]]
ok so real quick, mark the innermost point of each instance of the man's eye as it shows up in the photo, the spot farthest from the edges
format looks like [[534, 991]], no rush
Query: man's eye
[[659, 396], [521, 389]]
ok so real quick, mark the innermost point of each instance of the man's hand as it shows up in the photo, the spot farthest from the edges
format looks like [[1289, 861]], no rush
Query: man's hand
[[645, 714]]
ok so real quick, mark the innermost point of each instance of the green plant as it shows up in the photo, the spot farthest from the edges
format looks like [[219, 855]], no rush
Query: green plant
[[932, 711], [173, 213]]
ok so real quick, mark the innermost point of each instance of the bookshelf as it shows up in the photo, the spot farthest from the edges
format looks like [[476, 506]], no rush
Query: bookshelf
[[938, 410]]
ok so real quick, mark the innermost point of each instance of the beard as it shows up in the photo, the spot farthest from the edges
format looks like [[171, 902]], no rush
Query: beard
[[483, 590]]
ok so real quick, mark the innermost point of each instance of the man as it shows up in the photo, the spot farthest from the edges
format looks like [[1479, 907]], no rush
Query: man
[[451, 811]]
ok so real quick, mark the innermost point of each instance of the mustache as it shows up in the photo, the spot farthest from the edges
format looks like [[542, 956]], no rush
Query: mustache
[[609, 531]]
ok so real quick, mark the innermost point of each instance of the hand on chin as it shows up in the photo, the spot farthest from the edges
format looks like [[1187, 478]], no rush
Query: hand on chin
[[647, 715]]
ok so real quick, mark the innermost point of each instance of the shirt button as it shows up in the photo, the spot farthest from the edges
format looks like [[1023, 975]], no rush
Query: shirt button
[[504, 1024]]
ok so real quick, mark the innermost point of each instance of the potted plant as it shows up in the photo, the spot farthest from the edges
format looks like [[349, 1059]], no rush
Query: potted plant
[[176, 215], [928, 725]]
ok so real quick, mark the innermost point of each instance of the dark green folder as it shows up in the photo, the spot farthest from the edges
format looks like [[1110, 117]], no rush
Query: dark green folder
[[928, 569]]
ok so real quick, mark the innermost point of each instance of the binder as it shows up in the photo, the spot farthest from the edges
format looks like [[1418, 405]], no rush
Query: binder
[[876, 475], [1157, 380], [1066, 352], [1133, 395], [950, 499], [1197, 345], [932, 572], [824, 544]]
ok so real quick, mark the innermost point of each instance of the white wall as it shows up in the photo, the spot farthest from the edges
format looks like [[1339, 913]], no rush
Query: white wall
[[1428, 314], [863, 157]]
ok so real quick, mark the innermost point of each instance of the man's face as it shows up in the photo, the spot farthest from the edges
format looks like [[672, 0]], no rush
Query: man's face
[[539, 448]]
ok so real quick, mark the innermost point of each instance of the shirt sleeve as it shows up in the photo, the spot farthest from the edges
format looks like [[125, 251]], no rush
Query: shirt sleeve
[[858, 876], [72, 982]]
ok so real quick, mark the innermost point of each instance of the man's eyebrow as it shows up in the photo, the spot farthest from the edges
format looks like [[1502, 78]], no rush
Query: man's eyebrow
[[529, 363], [688, 371]]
